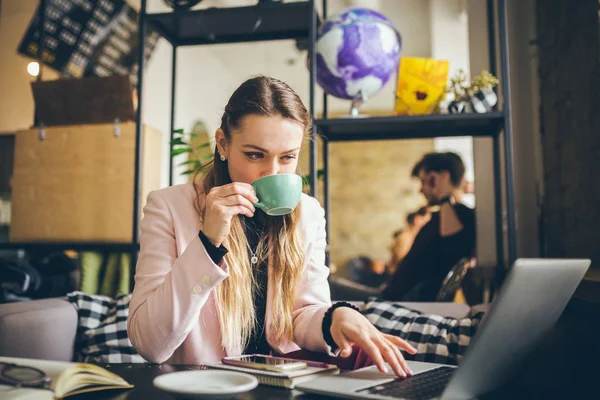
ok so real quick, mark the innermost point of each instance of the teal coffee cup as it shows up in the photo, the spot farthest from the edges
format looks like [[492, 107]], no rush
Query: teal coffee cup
[[278, 194]]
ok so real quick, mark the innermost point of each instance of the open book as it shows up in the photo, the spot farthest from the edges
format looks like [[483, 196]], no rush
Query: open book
[[288, 379], [68, 378]]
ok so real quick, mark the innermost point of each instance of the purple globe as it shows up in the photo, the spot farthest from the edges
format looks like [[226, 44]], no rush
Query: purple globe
[[358, 51]]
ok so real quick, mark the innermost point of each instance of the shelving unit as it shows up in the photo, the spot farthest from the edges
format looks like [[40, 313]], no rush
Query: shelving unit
[[298, 20], [268, 21], [491, 125], [274, 21], [415, 127]]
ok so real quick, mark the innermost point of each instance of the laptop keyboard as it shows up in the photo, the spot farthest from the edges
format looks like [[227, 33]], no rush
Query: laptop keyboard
[[424, 386]]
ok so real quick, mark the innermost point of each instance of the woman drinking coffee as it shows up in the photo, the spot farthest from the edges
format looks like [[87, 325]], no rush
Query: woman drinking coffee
[[225, 272]]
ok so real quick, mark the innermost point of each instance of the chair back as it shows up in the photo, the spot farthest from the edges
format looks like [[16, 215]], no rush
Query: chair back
[[453, 280]]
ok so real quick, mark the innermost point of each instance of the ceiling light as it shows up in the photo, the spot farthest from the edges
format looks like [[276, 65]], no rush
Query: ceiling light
[[33, 68]]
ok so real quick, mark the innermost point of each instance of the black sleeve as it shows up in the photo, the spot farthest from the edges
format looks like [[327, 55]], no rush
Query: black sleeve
[[215, 253]]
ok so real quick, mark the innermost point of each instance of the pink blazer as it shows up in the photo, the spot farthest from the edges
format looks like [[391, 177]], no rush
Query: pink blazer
[[172, 316]]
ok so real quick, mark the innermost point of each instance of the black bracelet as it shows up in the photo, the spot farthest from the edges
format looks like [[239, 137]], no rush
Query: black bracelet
[[326, 325]]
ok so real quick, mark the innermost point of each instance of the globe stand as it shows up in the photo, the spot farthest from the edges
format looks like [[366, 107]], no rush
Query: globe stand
[[358, 101]]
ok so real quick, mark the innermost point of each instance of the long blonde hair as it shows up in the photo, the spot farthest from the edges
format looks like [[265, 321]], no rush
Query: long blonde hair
[[282, 240]]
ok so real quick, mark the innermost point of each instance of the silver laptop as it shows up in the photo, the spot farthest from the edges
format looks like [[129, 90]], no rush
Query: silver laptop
[[528, 305]]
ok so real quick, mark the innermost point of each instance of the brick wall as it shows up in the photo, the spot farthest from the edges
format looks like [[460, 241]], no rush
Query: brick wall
[[371, 192], [569, 47]]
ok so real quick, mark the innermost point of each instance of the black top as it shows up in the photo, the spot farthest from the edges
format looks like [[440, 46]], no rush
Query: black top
[[420, 274], [258, 341], [254, 230]]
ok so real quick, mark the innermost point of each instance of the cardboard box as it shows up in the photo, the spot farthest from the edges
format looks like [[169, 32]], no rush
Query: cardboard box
[[77, 183]]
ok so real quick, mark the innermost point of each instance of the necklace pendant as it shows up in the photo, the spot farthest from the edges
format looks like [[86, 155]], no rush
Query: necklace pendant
[[254, 260]]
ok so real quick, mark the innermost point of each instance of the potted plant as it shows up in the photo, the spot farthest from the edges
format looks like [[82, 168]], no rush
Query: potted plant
[[478, 95], [199, 154]]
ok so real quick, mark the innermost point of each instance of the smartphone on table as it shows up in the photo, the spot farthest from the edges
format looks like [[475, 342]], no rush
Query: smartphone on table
[[269, 363]]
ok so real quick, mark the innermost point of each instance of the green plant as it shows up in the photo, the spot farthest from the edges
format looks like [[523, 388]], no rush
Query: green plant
[[306, 178], [198, 155]]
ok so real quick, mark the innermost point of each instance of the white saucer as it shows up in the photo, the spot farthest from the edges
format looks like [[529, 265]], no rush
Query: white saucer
[[204, 384]]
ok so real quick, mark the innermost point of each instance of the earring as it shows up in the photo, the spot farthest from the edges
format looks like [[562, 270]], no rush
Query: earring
[[223, 157]]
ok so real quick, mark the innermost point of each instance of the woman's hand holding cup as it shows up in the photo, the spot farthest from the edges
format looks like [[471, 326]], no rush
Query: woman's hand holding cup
[[222, 203]]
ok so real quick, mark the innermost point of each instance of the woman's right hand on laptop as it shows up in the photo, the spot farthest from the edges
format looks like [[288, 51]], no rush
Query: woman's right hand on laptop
[[349, 327]]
